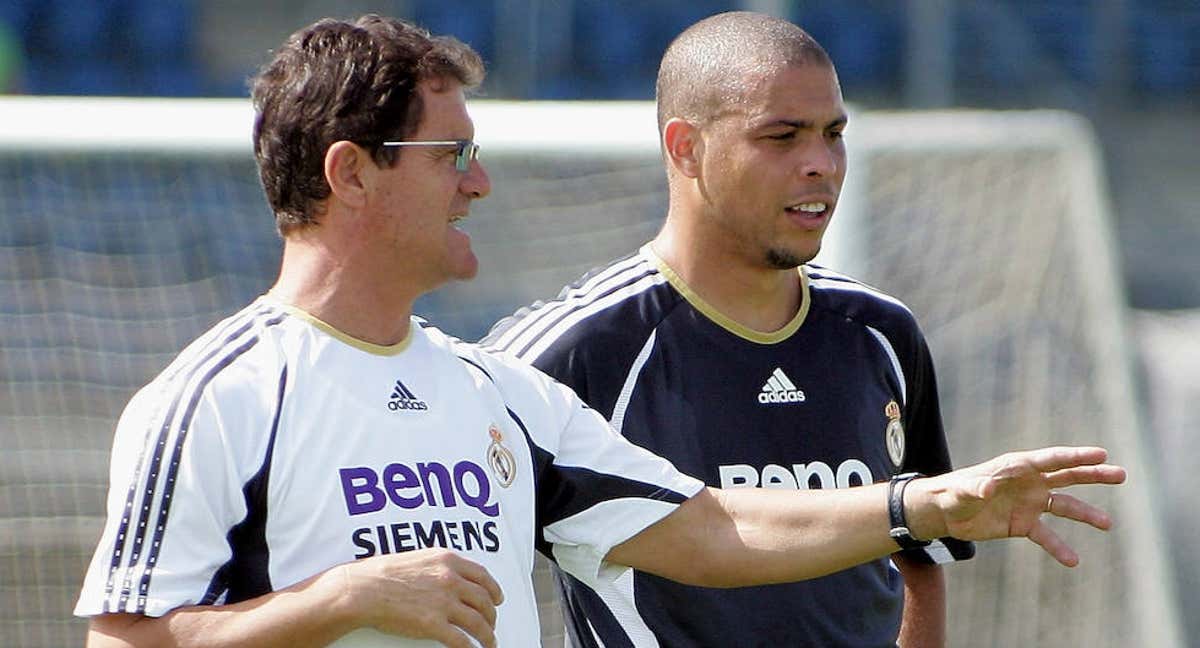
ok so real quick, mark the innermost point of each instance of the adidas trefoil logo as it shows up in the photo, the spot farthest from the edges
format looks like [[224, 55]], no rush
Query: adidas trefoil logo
[[780, 389], [403, 399]]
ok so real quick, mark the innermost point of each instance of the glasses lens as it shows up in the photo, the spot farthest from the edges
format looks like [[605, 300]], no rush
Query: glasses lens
[[467, 151]]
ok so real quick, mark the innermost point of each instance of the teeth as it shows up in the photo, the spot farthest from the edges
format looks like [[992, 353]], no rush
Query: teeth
[[813, 207]]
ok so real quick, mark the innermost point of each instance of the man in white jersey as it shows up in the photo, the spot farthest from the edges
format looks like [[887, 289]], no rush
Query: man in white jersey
[[323, 468]]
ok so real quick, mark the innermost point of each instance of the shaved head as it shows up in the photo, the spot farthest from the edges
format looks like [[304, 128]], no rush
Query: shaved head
[[710, 66]]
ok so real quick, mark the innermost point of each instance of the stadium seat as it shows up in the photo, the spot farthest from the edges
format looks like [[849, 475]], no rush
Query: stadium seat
[[19, 15], [1166, 51], [865, 44], [1063, 34], [471, 22], [78, 27]]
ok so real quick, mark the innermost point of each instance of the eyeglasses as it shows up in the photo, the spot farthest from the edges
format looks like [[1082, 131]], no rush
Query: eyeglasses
[[467, 150]]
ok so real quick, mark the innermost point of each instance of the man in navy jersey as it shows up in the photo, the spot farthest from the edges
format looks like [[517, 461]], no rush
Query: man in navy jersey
[[716, 346], [323, 468]]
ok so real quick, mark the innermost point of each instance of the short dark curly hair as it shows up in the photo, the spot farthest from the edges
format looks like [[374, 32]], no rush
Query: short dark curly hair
[[337, 80]]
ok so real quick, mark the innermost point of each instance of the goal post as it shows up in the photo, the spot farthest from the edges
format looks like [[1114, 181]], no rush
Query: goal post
[[995, 227], [129, 226]]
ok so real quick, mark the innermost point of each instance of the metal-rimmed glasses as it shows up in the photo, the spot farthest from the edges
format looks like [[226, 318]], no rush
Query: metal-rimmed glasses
[[467, 150]]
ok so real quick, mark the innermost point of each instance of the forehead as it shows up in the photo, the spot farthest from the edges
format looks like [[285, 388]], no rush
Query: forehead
[[444, 112], [807, 92]]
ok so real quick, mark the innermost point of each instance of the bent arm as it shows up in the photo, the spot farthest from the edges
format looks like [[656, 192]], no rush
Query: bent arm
[[310, 613], [728, 538], [426, 594]]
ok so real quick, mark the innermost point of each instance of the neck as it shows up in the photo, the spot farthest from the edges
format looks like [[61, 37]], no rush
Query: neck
[[328, 284], [731, 280]]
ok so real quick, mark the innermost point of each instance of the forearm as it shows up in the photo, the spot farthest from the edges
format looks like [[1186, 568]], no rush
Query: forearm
[[924, 621], [728, 538], [736, 537], [311, 613]]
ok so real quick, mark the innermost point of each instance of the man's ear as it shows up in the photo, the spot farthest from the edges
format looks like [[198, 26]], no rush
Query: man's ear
[[345, 171], [683, 146]]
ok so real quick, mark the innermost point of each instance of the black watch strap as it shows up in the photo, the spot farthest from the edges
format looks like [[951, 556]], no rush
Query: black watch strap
[[899, 531]]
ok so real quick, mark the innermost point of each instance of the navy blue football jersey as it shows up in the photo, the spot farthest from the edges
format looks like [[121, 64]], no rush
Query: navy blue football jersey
[[843, 395]]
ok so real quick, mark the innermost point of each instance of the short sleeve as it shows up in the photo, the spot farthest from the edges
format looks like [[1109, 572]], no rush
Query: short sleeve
[[930, 453], [595, 489], [175, 492]]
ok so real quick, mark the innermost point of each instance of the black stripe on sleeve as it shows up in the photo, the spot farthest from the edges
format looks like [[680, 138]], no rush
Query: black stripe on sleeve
[[188, 370], [556, 316], [247, 574], [156, 463], [563, 491], [582, 607], [164, 510], [481, 370]]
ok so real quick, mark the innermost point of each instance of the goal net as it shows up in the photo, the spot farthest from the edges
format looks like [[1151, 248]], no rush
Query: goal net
[[122, 240], [994, 227]]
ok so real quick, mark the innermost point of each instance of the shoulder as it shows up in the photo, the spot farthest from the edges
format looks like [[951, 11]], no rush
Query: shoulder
[[858, 301], [217, 392], [607, 305], [501, 368], [235, 358]]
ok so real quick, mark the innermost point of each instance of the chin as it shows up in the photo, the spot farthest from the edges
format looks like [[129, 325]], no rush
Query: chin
[[467, 271], [789, 259]]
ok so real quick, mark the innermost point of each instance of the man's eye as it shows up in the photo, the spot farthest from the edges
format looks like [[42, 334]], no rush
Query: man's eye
[[782, 136]]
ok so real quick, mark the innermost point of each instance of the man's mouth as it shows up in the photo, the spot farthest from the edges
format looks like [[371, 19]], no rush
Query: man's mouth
[[808, 208]]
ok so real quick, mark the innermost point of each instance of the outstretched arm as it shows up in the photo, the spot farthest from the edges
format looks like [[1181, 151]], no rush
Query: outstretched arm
[[729, 538]]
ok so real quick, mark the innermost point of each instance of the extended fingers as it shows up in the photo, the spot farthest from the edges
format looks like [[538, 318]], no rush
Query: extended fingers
[[1047, 539], [1073, 508], [1057, 458], [1095, 474]]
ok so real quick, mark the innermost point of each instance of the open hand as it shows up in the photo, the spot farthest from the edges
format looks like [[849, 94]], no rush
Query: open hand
[[1006, 496]]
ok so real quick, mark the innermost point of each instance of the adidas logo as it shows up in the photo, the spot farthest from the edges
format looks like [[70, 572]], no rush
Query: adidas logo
[[403, 399], [780, 389]]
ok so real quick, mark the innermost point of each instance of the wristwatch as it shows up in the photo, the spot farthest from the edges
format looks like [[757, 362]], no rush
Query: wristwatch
[[899, 531]]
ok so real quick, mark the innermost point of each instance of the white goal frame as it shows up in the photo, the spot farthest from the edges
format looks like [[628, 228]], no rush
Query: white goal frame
[[628, 129]]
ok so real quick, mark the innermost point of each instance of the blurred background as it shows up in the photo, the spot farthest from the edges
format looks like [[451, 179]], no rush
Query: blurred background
[[1130, 66], [78, 335]]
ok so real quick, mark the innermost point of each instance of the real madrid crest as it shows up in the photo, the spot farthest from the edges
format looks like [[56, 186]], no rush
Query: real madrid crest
[[893, 435], [500, 459]]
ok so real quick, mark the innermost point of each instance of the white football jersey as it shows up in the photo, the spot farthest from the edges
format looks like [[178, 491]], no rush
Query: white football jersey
[[275, 447]]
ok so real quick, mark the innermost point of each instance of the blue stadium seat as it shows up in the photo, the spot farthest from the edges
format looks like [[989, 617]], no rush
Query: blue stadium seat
[[978, 59], [614, 57], [866, 44], [1063, 31], [1166, 49], [473, 22], [161, 28], [78, 28], [80, 76], [19, 15]]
